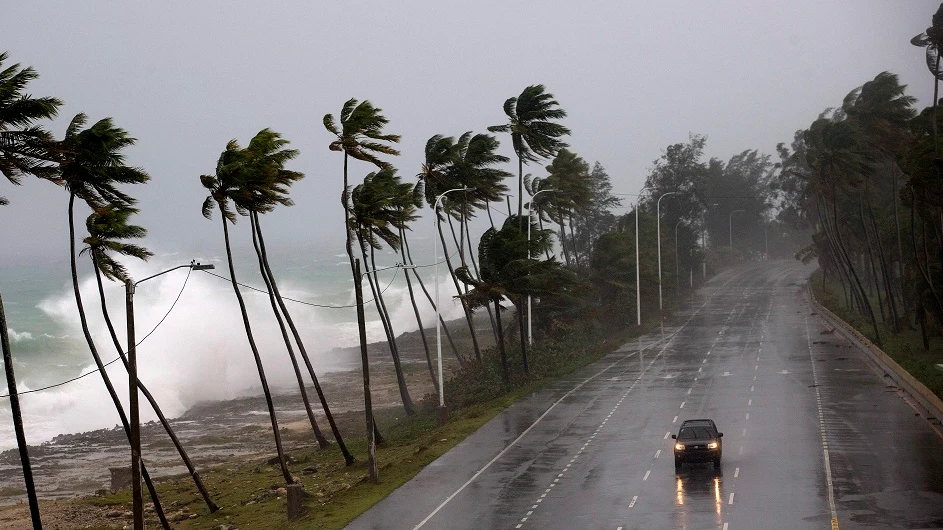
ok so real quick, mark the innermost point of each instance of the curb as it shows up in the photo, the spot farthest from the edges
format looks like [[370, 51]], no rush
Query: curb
[[930, 402]]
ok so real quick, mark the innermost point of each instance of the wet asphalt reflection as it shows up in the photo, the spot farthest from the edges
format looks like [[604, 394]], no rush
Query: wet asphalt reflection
[[814, 435]]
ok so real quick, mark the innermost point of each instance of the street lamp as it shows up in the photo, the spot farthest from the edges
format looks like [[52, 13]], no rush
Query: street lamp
[[730, 227], [530, 334], [438, 319], [136, 493], [638, 283], [658, 223]]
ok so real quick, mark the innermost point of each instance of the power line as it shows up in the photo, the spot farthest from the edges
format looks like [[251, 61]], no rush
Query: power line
[[109, 363]]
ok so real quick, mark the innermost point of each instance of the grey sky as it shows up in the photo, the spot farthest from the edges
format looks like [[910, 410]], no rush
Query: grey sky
[[634, 76]]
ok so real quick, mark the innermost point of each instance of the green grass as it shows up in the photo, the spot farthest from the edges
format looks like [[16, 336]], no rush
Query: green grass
[[906, 348]]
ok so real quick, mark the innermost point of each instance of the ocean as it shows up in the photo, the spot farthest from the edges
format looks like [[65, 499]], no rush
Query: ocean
[[191, 349]]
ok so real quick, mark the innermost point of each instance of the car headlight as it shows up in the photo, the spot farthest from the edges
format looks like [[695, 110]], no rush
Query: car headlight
[[712, 445], [679, 447]]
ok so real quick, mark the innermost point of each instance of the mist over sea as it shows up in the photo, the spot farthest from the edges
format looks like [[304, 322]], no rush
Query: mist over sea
[[192, 350]]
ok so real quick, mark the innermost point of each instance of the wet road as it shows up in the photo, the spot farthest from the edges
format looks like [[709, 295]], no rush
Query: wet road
[[814, 435]]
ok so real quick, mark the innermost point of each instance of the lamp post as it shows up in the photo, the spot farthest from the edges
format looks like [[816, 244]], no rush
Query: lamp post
[[638, 283], [658, 223], [136, 493], [730, 227], [438, 320], [530, 334]]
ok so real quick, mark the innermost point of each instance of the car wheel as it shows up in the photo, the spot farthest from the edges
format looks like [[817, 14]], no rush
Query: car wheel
[[677, 464], [716, 462]]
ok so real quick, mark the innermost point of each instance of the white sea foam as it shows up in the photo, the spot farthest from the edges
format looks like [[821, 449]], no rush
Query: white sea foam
[[200, 352]]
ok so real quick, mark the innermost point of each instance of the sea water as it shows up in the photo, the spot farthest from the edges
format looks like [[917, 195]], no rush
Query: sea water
[[192, 342]]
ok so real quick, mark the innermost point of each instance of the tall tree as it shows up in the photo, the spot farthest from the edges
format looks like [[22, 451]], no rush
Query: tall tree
[[265, 184], [91, 167], [534, 133], [358, 133], [24, 146], [108, 229], [932, 40], [223, 186], [377, 217]]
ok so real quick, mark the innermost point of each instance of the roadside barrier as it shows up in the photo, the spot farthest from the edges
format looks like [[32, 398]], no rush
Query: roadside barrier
[[930, 402]]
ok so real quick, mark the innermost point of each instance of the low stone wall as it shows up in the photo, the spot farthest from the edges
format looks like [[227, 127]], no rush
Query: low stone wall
[[930, 402]]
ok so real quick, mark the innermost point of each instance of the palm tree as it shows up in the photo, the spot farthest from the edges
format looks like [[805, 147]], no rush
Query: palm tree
[[265, 185], [18, 421], [24, 146], [932, 40], [107, 229], [223, 186], [91, 165], [533, 133], [510, 270], [360, 136], [378, 214], [437, 177]]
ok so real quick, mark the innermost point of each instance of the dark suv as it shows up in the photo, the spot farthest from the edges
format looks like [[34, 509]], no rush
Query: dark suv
[[698, 441]]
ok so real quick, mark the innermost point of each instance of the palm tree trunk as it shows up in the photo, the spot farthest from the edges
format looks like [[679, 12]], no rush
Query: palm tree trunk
[[576, 253], [194, 474], [101, 367], [18, 422], [520, 189], [505, 374], [854, 274], [258, 359], [348, 458], [873, 274], [318, 435], [365, 362], [425, 291], [394, 350], [886, 272], [422, 330], [468, 313], [566, 254], [924, 271]]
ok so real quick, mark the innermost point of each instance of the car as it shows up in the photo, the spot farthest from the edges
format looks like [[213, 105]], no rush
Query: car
[[698, 441]]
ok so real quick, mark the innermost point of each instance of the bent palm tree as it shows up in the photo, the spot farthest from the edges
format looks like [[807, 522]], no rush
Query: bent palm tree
[[223, 185], [360, 136], [107, 229], [266, 185], [91, 166], [533, 133], [377, 214], [24, 146]]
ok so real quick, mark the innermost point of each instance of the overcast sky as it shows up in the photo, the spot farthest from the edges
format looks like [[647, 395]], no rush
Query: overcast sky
[[634, 77]]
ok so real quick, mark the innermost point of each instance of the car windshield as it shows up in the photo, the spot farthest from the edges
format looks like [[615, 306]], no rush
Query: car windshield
[[695, 433]]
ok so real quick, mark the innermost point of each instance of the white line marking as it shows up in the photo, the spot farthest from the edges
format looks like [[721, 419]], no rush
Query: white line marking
[[682, 404], [748, 415], [725, 526], [736, 473], [750, 403], [631, 504], [510, 445], [689, 391], [744, 432], [731, 498], [700, 369], [519, 525], [530, 513], [667, 434], [675, 420], [647, 473], [751, 388], [534, 507], [657, 453]]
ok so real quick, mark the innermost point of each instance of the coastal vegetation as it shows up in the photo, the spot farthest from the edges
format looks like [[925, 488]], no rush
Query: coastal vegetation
[[860, 191]]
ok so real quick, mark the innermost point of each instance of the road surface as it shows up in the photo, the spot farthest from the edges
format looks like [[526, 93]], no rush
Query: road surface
[[814, 435]]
